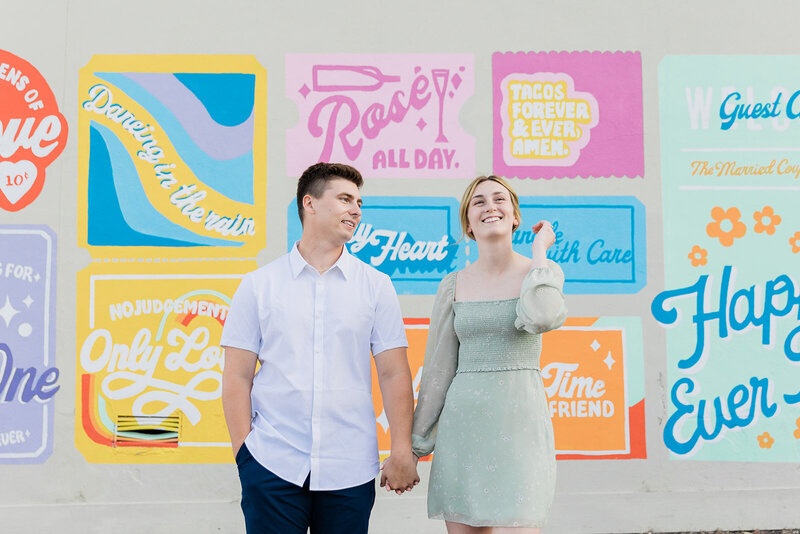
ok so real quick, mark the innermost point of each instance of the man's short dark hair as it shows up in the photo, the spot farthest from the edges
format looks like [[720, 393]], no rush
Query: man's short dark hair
[[315, 180]]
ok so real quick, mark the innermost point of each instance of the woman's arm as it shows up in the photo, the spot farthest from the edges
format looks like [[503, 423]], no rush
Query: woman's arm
[[438, 370], [541, 305]]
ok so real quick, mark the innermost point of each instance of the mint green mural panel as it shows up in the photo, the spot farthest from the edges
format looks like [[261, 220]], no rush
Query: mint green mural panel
[[730, 148]]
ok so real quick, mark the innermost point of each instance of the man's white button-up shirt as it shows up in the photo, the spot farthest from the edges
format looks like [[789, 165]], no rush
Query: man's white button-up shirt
[[313, 333]]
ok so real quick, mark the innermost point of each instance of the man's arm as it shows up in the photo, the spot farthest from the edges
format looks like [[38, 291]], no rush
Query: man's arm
[[394, 379], [237, 381]]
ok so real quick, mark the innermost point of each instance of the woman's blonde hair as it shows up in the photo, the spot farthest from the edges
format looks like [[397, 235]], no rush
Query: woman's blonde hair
[[464, 208]]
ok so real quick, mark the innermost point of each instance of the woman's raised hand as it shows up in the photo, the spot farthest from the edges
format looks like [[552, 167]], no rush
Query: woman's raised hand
[[545, 237]]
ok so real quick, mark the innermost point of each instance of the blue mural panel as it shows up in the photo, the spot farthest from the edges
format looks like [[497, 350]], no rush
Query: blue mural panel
[[600, 241], [414, 240], [417, 240]]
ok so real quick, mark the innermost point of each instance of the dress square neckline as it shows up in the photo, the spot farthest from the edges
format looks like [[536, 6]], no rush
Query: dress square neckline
[[490, 301]]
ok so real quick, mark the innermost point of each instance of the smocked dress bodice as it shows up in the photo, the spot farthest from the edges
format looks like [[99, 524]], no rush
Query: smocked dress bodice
[[488, 339]]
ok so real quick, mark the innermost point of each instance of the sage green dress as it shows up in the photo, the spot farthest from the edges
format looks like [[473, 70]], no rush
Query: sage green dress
[[482, 405]]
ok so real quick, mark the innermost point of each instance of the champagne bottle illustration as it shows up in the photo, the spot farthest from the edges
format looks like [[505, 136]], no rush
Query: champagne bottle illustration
[[330, 78]]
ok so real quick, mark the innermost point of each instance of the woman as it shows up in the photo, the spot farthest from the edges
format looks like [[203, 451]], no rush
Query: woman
[[481, 399]]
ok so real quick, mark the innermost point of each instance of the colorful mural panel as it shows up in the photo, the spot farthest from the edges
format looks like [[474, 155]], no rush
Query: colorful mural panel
[[33, 132], [593, 373], [414, 240], [388, 115], [28, 375], [417, 335], [149, 365], [600, 241], [172, 156], [732, 247], [568, 114]]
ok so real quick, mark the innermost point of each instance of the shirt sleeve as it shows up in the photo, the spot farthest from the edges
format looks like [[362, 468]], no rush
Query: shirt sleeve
[[242, 328], [388, 330], [541, 305], [438, 370]]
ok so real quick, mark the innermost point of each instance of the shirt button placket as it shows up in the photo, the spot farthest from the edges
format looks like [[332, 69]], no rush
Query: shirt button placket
[[319, 372]]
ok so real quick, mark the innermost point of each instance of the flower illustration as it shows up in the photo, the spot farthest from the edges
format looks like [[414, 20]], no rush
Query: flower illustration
[[761, 226], [698, 256], [726, 226], [797, 432], [795, 242], [765, 441]]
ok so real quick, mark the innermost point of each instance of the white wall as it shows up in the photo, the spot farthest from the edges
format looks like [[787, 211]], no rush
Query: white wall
[[67, 494]]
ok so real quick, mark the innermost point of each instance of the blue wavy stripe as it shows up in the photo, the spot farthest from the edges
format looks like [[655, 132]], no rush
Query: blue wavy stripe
[[239, 91], [139, 214], [107, 225], [232, 178]]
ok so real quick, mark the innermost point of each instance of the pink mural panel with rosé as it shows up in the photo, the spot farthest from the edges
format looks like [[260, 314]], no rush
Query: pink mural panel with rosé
[[568, 114], [388, 115]]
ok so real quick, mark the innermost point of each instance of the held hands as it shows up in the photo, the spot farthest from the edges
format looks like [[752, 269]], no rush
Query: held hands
[[399, 472]]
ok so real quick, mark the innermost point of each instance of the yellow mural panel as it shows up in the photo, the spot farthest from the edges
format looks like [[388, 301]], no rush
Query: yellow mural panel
[[149, 365], [172, 156]]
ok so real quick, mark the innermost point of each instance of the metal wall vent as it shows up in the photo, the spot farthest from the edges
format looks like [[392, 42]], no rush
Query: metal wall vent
[[147, 430]]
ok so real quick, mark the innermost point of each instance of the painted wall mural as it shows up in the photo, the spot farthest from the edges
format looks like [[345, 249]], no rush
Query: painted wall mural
[[414, 240], [172, 170], [417, 335], [729, 134], [172, 154], [600, 241], [388, 115], [28, 375], [593, 372], [33, 132], [568, 114], [149, 365]]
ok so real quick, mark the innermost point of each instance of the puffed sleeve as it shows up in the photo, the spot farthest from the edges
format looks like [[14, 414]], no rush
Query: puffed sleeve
[[438, 370], [541, 304]]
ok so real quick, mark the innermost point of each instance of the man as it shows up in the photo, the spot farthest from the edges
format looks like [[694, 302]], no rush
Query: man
[[303, 427]]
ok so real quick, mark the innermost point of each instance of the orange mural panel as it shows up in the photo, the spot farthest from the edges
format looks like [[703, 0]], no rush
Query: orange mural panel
[[593, 376], [417, 334], [584, 377]]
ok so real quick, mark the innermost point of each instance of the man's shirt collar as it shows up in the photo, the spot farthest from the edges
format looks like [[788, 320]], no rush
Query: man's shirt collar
[[344, 264]]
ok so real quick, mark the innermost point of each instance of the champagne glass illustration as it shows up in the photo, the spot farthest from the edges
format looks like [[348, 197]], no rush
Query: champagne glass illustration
[[440, 79]]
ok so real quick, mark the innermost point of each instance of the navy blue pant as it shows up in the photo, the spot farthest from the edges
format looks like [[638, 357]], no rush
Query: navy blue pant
[[272, 505]]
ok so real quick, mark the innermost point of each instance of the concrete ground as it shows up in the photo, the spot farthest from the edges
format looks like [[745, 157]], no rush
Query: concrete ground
[[784, 531]]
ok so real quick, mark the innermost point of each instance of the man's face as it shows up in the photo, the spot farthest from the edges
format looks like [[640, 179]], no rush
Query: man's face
[[338, 211]]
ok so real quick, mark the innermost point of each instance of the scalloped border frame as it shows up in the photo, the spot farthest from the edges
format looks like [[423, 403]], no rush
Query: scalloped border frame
[[616, 147]]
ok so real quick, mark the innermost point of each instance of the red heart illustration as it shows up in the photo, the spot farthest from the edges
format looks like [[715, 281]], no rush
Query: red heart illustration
[[16, 179]]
